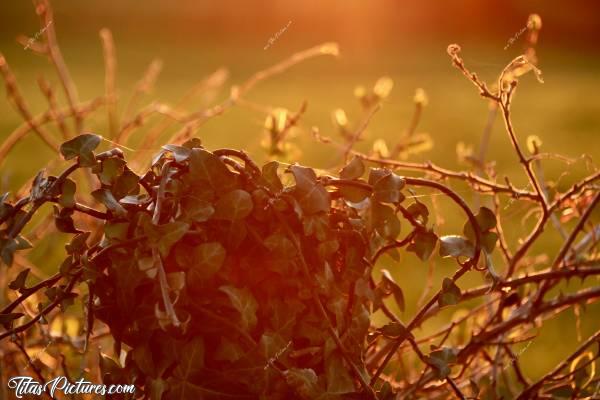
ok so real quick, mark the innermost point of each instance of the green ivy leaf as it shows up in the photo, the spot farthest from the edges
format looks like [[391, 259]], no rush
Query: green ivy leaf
[[19, 282], [394, 330], [81, 146], [234, 205], [244, 302], [208, 167], [354, 194], [304, 382], [354, 169], [375, 174], [110, 170], [269, 174], [312, 196], [228, 351], [197, 210], [388, 188], [205, 261], [166, 235], [384, 220], [106, 197], [180, 153], [339, 380], [419, 211], [116, 230], [280, 246], [456, 246], [450, 293], [441, 360], [126, 184], [191, 359], [390, 286], [317, 225], [488, 241], [423, 244], [63, 220], [486, 219], [67, 193]]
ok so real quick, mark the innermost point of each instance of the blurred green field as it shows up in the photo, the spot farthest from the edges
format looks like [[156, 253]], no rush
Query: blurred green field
[[563, 112]]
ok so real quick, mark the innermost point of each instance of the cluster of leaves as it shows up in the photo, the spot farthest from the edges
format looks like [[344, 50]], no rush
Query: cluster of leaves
[[209, 266]]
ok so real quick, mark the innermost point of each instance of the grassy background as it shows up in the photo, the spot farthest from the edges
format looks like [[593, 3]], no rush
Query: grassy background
[[406, 43]]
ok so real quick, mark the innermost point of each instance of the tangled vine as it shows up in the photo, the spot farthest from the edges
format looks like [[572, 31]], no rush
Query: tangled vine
[[213, 277]]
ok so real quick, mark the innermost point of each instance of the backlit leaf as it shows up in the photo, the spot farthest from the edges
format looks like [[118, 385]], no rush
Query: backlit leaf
[[81, 146], [450, 293], [244, 302], [234, 205], [204, 261], [455, 246]]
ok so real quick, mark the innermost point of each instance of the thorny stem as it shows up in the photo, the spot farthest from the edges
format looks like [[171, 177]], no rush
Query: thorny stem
[[526, 394]]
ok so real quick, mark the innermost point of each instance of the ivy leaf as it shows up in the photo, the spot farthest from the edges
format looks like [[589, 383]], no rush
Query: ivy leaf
[[456, 246], [180, 153], [354, 169], [19, 282], [208, 167], [312, 196], [191, 359], [390, 286], [206, 260], [269, 174], [394, 330], [339, 381], [375, 174], [229, 351], [234, 205], [166, 235], [63, 220], [110, 170], [388, 189], [157, 388], [81, 146], [176, 280], [196, 209], [488, 241], [116, 230], [67, 193], [126, 184], [441, 359], [280, 246], [354, 194], [106, 197], [486, 219], [304, 382], [148, 266], [450, 293], [244, 302], [328, 248], [78, 244], [317, 225], [384, 220], [423, 244], [419, 211]]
